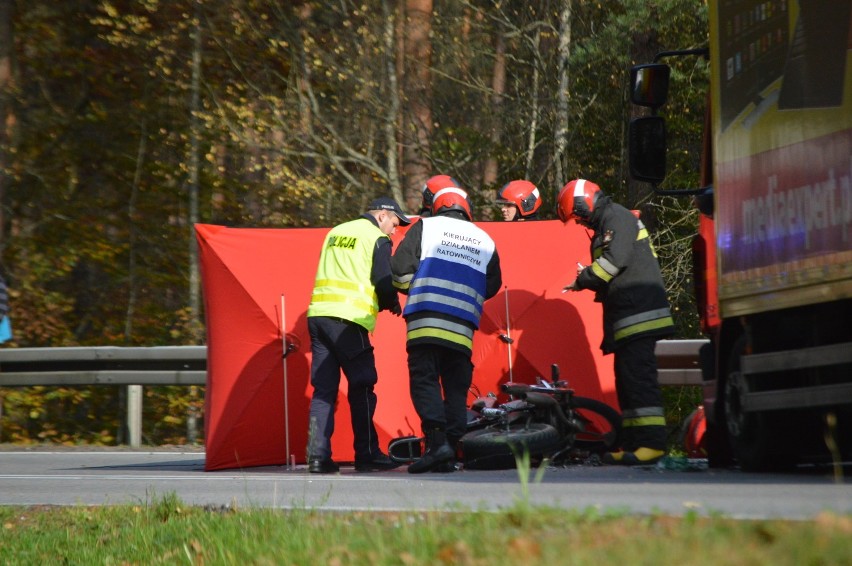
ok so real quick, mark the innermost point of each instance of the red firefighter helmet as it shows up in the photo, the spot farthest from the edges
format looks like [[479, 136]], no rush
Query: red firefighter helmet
[[433, 185], [452, 198], [577, 200], [523, 194]]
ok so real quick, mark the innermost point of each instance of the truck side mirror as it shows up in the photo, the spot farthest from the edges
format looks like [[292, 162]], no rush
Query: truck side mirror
[[649, 84], [647, 149]]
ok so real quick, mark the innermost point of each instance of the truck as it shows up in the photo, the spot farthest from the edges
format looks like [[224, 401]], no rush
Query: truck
[[772, 258]]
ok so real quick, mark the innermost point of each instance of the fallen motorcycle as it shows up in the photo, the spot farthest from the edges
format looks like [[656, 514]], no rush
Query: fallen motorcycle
[[546, 420]]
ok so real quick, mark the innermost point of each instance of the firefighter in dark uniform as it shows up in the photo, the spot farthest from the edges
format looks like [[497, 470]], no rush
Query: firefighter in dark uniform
[[448, 267], [625, 276], [519, 201], [353, 283]]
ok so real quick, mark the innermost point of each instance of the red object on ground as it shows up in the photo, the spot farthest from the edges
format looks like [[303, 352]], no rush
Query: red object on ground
[[694, 437], [246, 271]]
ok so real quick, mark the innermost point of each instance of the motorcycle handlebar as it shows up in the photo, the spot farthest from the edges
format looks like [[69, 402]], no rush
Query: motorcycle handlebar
[[521, 390], [515, 389]]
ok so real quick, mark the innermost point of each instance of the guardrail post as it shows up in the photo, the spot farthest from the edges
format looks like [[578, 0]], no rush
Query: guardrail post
[[134, 415], [192, 415]]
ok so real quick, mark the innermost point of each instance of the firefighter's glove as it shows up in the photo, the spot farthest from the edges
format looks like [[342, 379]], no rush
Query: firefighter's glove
[[572, 287], [396, 310]]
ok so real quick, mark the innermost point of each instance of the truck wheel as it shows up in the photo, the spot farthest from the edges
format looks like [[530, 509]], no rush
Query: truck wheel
[[718, 445], [495, 448], [748, 439], [750, 433]]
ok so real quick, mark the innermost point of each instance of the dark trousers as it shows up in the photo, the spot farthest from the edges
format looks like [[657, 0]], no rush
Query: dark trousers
[[639, 394], [439, 379], [338, 344]]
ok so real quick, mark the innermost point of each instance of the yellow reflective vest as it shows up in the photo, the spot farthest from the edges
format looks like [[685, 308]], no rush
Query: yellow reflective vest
[[343, 288]]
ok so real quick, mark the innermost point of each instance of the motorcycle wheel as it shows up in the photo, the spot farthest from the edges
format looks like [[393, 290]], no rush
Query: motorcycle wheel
[[602, 425], [494, 448]]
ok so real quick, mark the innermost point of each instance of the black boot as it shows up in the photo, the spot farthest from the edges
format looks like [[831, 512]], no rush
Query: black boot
[[438, 452], [450, 465]]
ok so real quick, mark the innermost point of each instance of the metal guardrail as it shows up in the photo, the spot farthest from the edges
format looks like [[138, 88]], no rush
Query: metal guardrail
[[187, 365], [677, 362], [132, 367], [103, 365], [135, 367]]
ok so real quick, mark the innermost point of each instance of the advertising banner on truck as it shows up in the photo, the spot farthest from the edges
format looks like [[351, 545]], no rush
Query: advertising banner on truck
[[783, 149]]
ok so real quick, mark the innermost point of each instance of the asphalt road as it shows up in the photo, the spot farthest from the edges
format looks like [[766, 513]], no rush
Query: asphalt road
[[108, 477]]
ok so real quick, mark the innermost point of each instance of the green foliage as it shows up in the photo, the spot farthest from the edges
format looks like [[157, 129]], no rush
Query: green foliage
[[166, 507], [523, 464], [167, 531], [679, 403], [290, 129], [96, 415]]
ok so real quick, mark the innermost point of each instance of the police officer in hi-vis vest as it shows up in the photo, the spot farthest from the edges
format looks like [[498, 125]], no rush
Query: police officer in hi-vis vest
[[448, 267], [353, 284]]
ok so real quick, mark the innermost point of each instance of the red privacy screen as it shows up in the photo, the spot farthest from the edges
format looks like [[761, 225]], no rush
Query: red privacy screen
[[257, 285]]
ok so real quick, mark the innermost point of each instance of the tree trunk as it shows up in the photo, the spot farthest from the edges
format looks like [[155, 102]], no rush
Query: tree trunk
[[418, 91], [498, 91], [194, 169], [392, 116], [7, 116], [534, 112], [192, 188], [132, 288], [563, 94]]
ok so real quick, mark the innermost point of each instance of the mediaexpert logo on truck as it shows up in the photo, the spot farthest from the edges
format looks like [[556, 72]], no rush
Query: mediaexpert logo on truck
[[798, 210], [778, 208]]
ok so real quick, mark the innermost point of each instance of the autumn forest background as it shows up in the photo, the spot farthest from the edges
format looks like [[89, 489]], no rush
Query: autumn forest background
[[125, 122]]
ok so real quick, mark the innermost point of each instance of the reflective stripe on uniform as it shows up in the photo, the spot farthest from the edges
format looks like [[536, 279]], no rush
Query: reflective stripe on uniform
[[601, 268], [643, 421], [442, 324], [600, 272], [466, 290], [431, 332], [402, 282], [460, 304], [342, 284], [642, 322], [344, 300], [643, 416], [643, 412], [607, 266], [644, 327], [643, 234]]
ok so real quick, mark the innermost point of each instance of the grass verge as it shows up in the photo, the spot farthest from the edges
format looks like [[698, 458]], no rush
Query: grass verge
[[166, 531]]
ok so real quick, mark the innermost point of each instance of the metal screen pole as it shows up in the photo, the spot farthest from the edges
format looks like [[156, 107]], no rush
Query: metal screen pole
[[508, 332], [284, 352]]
